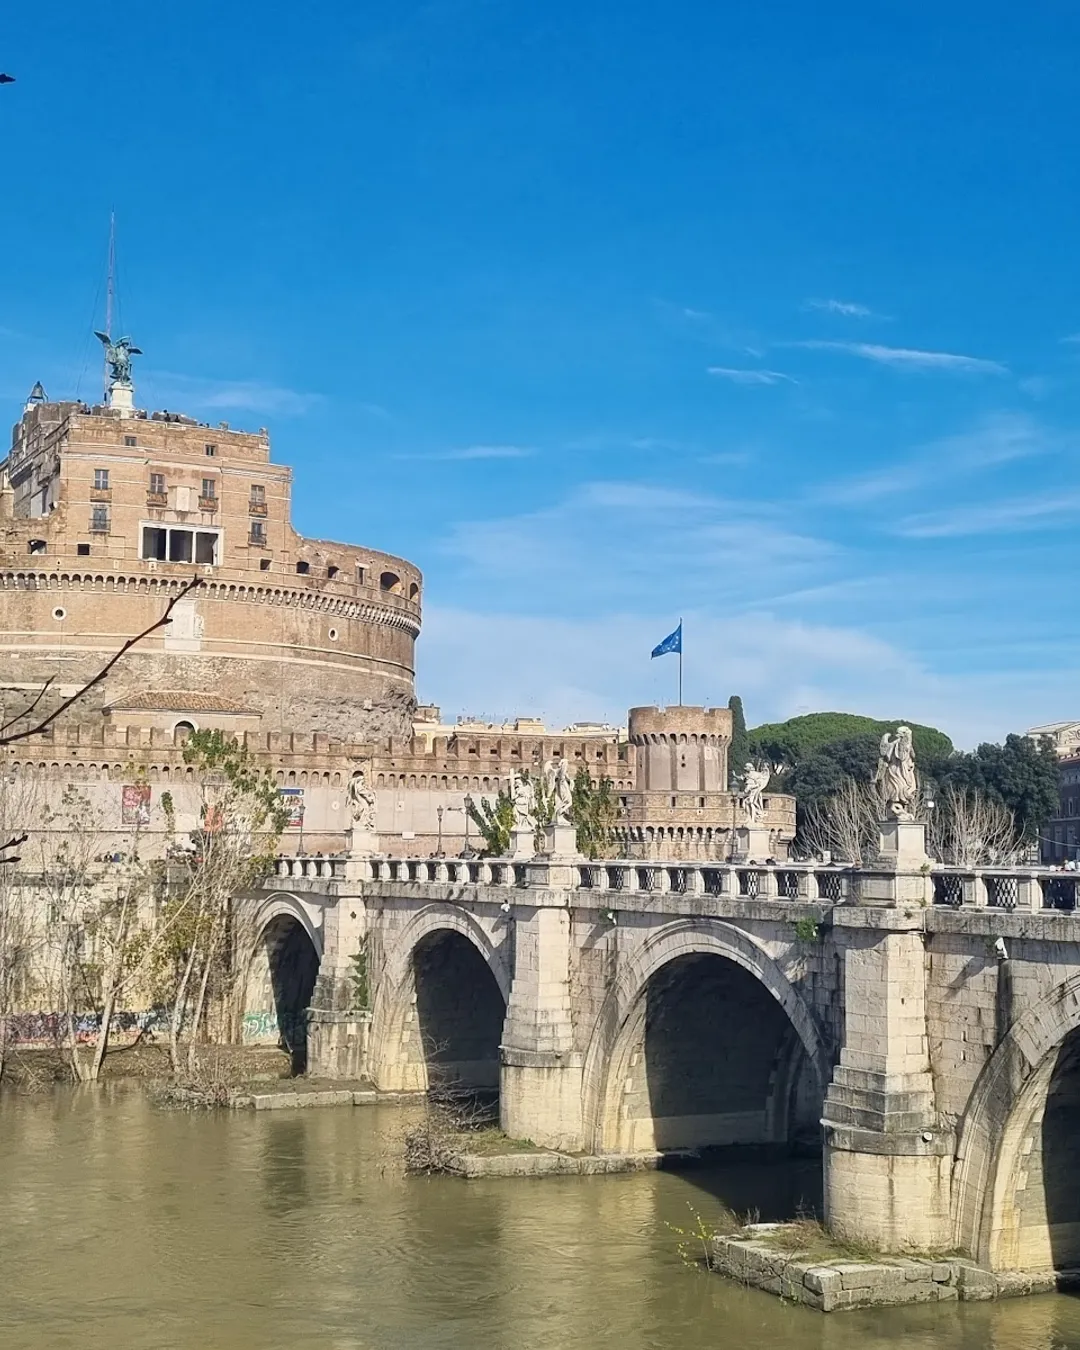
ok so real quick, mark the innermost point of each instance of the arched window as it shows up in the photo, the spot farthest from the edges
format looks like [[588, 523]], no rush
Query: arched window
[[390, 581]]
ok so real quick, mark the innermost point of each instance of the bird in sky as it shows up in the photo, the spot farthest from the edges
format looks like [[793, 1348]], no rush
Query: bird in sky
[[7, 79]]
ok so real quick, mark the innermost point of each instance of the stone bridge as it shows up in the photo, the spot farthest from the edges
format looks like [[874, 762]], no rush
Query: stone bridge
[[921, 1023]]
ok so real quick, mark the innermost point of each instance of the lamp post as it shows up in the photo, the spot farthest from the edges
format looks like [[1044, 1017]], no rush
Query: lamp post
[[439, 847]]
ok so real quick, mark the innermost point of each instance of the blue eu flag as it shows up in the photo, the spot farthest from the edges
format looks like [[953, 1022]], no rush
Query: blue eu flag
[[672, 643]]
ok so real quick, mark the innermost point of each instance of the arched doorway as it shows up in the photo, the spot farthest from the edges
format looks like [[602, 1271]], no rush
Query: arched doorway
[[282, 979], [460, 1012], [707, 1058]]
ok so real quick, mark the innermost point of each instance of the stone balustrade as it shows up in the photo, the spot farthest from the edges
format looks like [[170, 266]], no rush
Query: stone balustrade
[[1031, 889]]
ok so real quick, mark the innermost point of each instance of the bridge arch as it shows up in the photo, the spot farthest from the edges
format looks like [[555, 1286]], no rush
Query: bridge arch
[[703, 1040], [282, 965], [440, 1003], [1017, 1199]]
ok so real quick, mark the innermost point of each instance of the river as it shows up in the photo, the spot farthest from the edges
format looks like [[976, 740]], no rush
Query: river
[[133, 1228]]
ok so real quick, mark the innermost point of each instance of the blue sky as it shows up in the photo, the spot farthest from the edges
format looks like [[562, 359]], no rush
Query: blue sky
[[762, 315]]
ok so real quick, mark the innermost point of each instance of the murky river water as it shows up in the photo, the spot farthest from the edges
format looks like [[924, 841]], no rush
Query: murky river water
[[126, 1227]]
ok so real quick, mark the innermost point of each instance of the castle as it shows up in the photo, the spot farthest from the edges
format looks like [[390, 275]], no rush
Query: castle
[[301, 648]]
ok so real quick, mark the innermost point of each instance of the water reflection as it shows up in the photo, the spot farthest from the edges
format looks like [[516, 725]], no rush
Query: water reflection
[[126, 1227]]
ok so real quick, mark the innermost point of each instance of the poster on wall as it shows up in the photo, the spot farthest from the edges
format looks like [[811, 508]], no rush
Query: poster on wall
[[135, 804], [292, 799]]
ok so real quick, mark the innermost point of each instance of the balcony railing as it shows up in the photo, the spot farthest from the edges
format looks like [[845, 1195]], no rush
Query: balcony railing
[[208, 503], [256, 508]]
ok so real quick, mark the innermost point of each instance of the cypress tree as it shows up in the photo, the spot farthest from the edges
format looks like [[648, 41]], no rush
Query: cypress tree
[[739, 752]]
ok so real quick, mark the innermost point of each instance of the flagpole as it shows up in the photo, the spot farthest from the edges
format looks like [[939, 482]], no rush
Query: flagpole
[[680, 662]]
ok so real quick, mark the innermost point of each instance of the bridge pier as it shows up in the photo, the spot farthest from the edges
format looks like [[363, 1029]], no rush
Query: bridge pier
[[541, 1073], [887, 1164]]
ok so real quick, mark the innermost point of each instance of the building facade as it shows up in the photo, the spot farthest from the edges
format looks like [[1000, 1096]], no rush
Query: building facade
[[106, 512], [301, 648]]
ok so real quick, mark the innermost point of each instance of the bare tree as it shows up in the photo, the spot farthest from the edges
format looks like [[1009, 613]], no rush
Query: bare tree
[[970, 829], [241, 819], [845, 825], [21, 934], [98, 927]]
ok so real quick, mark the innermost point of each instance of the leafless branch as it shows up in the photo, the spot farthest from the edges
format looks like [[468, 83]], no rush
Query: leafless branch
[[12, 843], [8, 737]]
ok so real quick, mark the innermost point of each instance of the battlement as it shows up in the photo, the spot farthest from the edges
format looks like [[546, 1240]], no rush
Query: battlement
[[679, 724]]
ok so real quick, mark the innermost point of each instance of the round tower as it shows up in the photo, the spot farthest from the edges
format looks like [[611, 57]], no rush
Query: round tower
[[105, 513], [681, 749]]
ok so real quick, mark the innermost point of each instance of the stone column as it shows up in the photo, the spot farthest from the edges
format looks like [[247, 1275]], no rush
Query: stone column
[[886, 1164], [540, 1082]]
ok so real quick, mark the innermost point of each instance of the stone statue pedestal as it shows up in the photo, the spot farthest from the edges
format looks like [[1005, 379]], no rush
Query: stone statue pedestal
[[900, 874], [560, 841], [522, 843], [752, 843], [122, 398], [362, 843]]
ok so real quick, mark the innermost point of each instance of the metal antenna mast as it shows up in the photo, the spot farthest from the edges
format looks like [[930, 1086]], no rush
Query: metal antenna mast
[[110, 289]]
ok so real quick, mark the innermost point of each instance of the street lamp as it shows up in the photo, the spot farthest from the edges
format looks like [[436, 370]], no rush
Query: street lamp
[[439, 848]]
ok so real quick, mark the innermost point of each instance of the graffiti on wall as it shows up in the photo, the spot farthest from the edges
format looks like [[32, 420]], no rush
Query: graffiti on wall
[[53, 1028]]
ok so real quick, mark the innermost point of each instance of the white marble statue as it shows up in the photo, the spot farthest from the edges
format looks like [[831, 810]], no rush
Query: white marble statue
[[562, 789], [755, 781], [895, 778], [361, 801], [523, 795]]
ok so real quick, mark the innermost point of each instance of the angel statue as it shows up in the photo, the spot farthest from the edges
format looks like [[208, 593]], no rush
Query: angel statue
[[562, 790], [524, 799], [755, 781], [895, 778], [361, 801], [118, 356]]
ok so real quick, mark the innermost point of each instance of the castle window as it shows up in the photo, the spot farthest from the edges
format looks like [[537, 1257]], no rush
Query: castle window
[[264, 564], [209, 487], [257, 534], [83, 550], [37, 546], [303, 568], [414, 591], [131, 440], [211, 450], [157, 484], [165, 543], [360, 574], [101, 480], [258, 494], [390, 581], [99, 520], [332, 571]]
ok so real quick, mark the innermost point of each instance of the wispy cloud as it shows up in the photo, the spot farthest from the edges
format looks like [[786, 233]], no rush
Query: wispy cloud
[[848, 308], [1010, 516], [907, 358], [473, 452], [999, 439], [737, 376], [191, 391], [586, 550]]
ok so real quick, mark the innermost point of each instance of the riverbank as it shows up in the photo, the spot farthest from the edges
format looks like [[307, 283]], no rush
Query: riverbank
[[30, 1069]]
